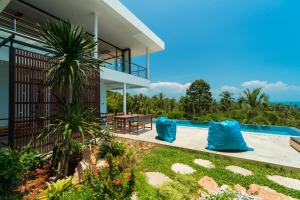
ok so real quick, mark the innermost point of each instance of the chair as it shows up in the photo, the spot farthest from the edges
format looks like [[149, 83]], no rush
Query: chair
[[120, 113], [140, 122]]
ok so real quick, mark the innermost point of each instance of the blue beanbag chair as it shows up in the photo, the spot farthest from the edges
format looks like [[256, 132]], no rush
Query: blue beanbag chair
[[226, 136], [166, 129]]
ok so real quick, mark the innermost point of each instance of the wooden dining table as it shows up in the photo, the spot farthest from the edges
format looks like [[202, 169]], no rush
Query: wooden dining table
[[121, 121]]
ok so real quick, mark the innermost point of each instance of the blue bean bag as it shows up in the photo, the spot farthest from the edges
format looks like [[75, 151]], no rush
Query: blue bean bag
[[166, 129], [226, 136]]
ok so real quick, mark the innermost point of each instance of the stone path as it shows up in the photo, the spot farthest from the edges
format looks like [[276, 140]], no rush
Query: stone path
[[182, 168], [239, 170], [157, 179], [204, 163], [285, 181]]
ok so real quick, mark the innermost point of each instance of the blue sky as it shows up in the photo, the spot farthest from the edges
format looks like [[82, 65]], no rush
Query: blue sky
[[232, 44]]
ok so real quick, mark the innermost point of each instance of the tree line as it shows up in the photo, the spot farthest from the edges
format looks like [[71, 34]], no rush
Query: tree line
[[251, 107]]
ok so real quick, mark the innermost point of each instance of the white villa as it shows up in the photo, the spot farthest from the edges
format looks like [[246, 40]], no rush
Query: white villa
[[120, 35]]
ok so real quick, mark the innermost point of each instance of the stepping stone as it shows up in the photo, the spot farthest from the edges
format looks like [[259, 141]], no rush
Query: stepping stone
[[285, 181], [157, 179], [182, 168], [204, 163], [239, 170]]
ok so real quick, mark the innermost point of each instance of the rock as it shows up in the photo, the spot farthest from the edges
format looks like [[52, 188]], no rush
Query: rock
[[204, 163], [134, 197], [286, 182], [266, 193], [208, 184], [88, 156], [225, 187], [157, 179], [240, 188], [80, 169], [102, 164], [239, 170], [182, 168]]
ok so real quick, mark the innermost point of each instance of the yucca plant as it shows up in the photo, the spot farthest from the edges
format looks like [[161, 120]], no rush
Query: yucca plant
[[73, 48], [69, 67]]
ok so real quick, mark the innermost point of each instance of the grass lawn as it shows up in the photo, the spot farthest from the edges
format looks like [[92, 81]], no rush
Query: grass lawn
[[161, 158]]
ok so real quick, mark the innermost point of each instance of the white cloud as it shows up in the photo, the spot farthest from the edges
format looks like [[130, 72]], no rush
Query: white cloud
[[170, 89], [229, 88]]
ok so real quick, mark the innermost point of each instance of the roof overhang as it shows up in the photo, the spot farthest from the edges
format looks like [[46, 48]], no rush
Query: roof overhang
[[116, 24]]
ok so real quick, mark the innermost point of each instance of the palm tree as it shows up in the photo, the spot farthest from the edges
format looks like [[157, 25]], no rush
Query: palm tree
[[72, 47], [254, 104], [226, 101]]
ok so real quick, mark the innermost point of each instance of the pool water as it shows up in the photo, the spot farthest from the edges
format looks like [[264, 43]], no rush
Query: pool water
[[263, 129]]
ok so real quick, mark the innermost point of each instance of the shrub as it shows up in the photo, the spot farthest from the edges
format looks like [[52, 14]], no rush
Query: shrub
[[226, 195], [81, 193], [57, 189], [11, 171], [112, 147], [183, 187]]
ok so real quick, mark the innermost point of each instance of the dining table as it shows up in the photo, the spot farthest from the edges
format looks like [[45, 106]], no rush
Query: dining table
[[120, 121]]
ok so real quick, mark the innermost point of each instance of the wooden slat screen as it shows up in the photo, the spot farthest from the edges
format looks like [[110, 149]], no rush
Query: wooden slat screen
[[34, 103]]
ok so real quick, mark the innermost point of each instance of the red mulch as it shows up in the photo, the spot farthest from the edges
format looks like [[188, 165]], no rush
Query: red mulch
[[36, 182]]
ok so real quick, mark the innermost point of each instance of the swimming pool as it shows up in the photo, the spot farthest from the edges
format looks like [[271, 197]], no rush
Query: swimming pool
[[276, 130]]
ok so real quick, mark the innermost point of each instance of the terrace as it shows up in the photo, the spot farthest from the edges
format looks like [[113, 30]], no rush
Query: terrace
[[112, 57]]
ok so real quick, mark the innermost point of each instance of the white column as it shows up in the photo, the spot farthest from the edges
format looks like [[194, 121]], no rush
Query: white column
[[103, 98], [148, 63], [95, 33], [124, 99]]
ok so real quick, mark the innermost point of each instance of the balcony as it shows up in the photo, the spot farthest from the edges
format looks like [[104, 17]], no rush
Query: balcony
[[111, 56]]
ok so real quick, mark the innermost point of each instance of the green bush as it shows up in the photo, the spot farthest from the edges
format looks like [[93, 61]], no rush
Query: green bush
[[112, 147], [222, 196], [183, 187], [81, 193], [57, 189], [11, 171]]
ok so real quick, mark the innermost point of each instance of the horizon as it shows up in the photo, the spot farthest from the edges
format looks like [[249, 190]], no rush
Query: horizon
[[230, 44]]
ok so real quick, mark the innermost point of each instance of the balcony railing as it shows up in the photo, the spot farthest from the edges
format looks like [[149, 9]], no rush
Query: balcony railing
[[111, 58]]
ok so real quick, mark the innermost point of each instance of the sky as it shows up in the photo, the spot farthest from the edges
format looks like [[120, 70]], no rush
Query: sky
[[231, 44]]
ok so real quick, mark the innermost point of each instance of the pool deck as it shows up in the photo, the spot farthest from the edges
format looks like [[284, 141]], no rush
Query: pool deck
[[273, 149]]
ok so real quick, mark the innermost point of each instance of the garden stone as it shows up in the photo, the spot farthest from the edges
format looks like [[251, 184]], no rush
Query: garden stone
[[225, 187], [239, 170], [204, 163], [208, 184], [182, 168], [80, 169], [102, 164], [238, 195], [157, 179], [240, 188], [88, 156], [134, 197], [285, 181], [266, 193]]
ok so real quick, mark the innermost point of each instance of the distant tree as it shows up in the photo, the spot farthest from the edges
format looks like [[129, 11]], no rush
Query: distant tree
[[254, 104], [226, 101], [199, 97]]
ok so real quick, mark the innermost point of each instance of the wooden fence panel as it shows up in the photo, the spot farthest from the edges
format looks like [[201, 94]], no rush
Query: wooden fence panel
[[34, 103]]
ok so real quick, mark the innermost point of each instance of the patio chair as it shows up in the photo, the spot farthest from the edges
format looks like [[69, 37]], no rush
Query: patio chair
[[140, 122], [120, 113], [295, 143]]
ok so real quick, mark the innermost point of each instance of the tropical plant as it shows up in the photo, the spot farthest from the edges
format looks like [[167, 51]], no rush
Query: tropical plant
[[74, 120], [72, 47], [255, 106], [226, 101], [11, 171], [55, 190]]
